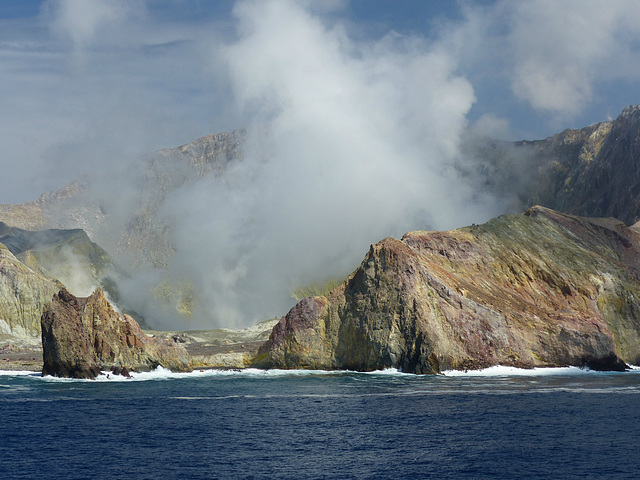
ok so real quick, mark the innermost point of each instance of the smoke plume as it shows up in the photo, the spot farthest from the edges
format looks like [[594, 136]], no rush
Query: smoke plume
[[347, 143]]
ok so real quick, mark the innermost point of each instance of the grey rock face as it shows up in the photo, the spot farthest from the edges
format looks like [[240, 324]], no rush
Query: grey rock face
[[594, 171]]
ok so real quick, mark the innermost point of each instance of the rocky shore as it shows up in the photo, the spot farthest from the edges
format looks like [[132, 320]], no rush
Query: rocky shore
[[532, 290], [216, 348], [21, 361], [221, 348]]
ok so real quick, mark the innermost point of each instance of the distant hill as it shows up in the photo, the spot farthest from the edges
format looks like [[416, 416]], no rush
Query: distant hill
[[36, 264], [79, 205], [67, 256], [130, 227]]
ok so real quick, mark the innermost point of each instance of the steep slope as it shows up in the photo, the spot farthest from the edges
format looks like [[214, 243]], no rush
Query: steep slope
[[539, 289], [593, 171], [68, 256], [23, 295], [145, 235]]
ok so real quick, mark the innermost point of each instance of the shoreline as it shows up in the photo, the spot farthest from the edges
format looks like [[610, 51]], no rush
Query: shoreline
[[21, 361], [221, 349]]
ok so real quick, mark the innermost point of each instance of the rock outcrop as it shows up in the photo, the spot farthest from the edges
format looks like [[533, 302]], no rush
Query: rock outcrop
[[531, 290], [83, 336]]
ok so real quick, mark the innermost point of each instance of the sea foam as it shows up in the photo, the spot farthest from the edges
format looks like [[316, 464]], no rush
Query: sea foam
[[16, 373], [161, 373], [503, 371]]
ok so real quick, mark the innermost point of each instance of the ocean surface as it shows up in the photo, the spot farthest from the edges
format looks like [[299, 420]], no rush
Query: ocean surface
[[500, 424]]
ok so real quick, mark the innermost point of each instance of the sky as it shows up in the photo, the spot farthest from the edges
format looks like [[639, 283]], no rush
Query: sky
[[136, 76], [355, 113]]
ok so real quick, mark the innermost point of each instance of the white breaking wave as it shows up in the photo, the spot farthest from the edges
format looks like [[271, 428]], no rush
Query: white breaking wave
[[16, 373], [161, 373], [503, 371]]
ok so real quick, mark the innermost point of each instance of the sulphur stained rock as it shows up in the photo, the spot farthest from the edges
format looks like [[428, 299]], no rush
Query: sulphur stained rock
[[83, 336], [532, 290], [23, 295]]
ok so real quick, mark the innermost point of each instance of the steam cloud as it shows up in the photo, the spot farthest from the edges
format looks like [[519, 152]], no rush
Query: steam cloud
[[349, 139], [348, 143]]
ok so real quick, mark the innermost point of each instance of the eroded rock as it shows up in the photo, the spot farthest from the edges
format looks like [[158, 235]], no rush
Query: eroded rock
[[83, 336]]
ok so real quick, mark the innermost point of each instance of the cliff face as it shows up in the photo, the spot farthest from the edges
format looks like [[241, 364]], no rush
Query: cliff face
[[23, 295], [146, 237], [83, 336], [67, 256], [539, 289], [593, 171]]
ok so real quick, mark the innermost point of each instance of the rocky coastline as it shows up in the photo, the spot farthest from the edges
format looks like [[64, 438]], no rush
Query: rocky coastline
[[206, 349], [542, 289]]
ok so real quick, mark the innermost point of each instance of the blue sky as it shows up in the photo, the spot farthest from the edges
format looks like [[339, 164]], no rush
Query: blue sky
[[85, 82]]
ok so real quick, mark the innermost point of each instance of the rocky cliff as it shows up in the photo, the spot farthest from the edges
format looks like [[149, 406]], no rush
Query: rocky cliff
[[83, 336], [23, 295], [67, 256], [531, 290], [593, 171]]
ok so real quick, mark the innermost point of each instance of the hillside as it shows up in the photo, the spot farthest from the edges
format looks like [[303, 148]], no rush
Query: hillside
[[588, 172], [532, 290]]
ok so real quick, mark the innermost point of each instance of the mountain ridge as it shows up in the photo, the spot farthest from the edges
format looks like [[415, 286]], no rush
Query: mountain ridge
[[591, 172]]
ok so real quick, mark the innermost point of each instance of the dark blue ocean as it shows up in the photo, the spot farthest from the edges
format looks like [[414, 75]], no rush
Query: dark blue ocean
[[502, 424]]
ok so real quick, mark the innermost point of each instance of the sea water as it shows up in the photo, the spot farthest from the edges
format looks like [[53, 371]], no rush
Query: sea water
[[499, 423]]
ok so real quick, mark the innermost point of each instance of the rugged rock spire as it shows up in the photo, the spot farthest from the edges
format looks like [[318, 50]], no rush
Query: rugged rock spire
[[83, 336]]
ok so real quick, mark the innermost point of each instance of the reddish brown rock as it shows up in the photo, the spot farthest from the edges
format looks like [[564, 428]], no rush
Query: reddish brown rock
[[83, 336], [532, 290]]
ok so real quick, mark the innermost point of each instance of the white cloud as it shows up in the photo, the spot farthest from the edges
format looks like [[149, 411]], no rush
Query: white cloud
[[555, 55], [90, 86], [491, 126], [80, 20]]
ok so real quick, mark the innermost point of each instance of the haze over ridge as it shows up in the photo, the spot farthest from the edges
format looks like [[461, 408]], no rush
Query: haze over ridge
[[350, 137]]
